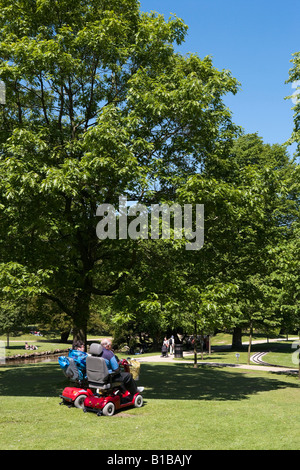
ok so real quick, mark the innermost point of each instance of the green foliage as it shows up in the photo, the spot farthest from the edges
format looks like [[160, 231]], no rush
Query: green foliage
[[294, 77], [13, 316], [98, 105], [249, 208]]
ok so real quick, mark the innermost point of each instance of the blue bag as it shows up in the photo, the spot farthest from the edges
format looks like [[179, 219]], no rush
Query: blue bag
[[74, 366]]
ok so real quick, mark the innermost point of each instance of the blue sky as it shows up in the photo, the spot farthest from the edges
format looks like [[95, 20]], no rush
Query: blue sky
[[255, 40]]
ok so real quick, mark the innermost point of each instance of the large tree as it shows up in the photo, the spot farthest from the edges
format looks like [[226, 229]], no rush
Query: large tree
[[248, 213], [98, 105], [294, 79]]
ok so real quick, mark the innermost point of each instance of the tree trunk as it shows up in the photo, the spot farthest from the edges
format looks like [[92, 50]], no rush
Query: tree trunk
[[201, 346], [250, 342], [81, 317], [195, 346], [79, 331], [237, 338], [64, 335]]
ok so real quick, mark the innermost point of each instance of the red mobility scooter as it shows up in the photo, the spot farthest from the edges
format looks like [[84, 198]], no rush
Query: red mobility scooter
[[103, 394], [74, 368], [109, 395], [74, 396]]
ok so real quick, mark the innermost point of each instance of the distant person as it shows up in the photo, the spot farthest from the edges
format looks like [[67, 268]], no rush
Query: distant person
[[164, 351], [171, 343]]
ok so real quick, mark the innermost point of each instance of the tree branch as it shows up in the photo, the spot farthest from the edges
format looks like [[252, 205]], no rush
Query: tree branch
[[65, 309]]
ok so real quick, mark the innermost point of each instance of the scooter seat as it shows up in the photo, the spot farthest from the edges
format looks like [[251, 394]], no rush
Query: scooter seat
[[106, 386], [97, 372]]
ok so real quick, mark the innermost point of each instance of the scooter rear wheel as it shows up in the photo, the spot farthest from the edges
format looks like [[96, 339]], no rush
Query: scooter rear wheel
[[79, 401]]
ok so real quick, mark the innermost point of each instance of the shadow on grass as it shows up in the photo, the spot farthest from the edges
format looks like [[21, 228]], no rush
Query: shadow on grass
[[16, 346], [162, 381], [37, 380], [39, 344], [181, 381]]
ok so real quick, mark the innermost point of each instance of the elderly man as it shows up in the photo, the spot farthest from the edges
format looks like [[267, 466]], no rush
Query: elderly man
[[113, 367]]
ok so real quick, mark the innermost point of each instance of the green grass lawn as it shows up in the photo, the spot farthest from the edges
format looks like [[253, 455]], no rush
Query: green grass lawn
[[209, 408]]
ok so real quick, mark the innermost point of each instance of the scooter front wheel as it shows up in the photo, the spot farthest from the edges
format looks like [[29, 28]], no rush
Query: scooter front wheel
[[109, 409], [138, 402]]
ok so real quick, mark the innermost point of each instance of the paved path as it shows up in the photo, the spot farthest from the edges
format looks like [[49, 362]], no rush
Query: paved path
[[185, 360]]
